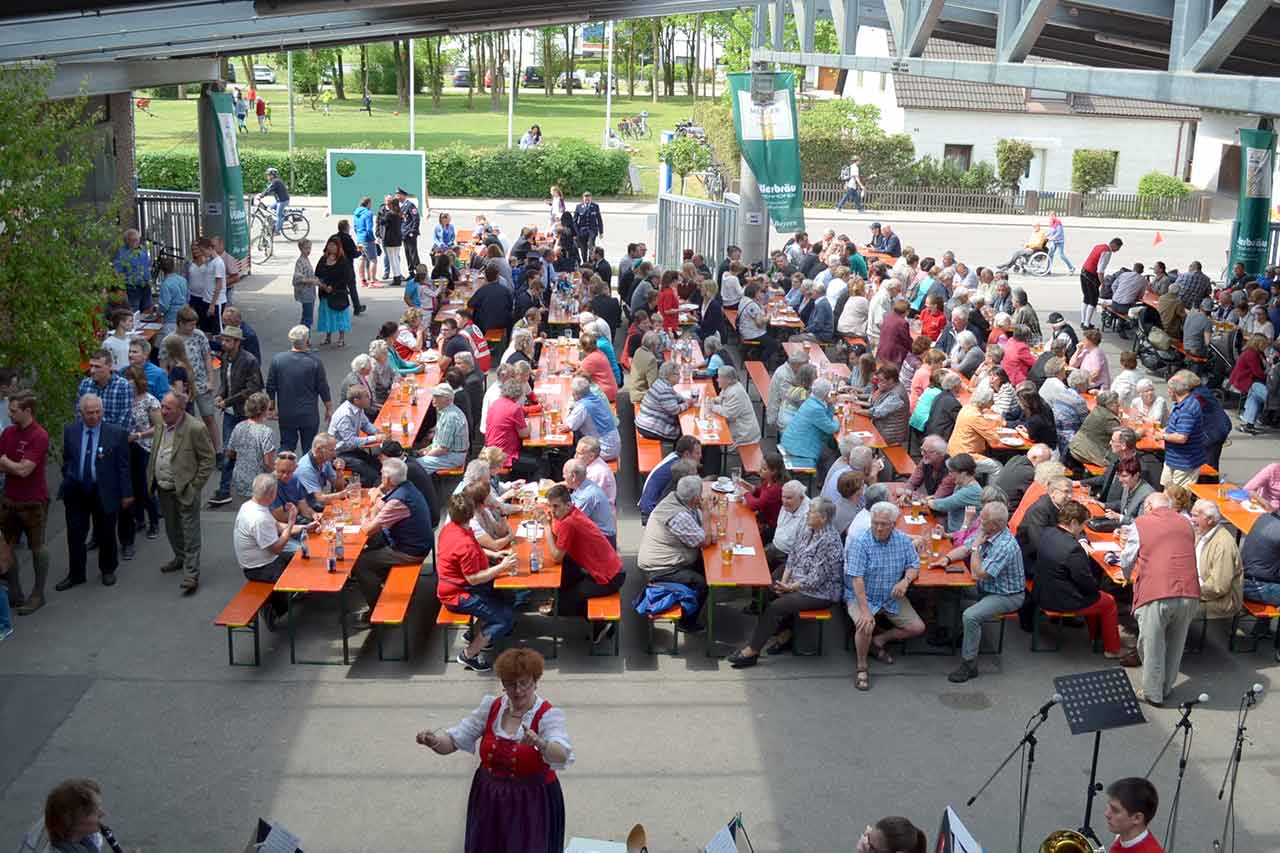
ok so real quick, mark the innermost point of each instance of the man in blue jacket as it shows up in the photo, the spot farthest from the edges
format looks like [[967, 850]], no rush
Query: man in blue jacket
[[95, 487]]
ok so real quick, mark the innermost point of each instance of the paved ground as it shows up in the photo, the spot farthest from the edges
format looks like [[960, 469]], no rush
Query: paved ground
[[130, 685]]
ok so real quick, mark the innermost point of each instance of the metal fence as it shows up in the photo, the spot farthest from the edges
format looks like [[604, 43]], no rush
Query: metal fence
[[960, 200], [169, 218], [1273, 244], [706, 227]]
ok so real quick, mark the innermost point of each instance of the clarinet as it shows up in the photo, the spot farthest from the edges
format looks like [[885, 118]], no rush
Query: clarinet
[[110, 838]]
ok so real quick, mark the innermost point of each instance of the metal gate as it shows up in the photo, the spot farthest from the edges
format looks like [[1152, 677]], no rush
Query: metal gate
[[706, 227], [169, 218]]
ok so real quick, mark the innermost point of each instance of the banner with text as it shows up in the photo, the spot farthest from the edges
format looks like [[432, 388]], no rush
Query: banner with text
[[766, 128], [237, 222], [1257, 156]]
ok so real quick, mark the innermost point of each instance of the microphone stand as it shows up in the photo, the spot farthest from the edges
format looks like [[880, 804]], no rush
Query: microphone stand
[[1171, 828], [1029, 740], [1233, 767]]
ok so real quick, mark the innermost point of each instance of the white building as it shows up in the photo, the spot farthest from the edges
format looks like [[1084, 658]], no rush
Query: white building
[[962, 122]]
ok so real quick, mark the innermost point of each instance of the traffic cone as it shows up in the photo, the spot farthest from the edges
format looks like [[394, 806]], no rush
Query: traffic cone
[[1158, 240]]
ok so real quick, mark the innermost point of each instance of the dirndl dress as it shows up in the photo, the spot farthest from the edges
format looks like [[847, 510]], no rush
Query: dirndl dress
[[516, 805]]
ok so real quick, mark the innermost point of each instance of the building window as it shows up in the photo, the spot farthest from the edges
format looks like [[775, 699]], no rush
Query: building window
[[960, 156], [1046, 95]]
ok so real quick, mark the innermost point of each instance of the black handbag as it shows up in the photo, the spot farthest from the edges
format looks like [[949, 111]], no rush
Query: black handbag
[[1102, 525], [337, 300]]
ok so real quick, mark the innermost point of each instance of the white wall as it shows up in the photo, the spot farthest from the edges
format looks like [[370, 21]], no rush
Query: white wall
[[1216, 131], [1143, 145], [871, 87]]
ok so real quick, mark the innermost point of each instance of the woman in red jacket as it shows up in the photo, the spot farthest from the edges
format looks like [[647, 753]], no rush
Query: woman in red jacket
[[1249, 377], [669, 302]]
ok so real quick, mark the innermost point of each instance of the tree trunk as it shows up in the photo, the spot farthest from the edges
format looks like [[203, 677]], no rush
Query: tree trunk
[[656, 23], [481, 67], [364, 68], [669, 59], [402, 82], [568, 59], [495, 68], [471, 72], [246, 63], [437, 73], [548, 58], [631, 61], [339, 85]]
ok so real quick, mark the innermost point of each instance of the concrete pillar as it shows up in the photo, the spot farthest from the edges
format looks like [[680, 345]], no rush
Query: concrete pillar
[[753, 219], [211, 223]]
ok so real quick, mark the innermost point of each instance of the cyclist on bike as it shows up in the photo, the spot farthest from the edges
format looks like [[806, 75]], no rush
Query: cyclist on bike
[[276, 187], [1035, 243]]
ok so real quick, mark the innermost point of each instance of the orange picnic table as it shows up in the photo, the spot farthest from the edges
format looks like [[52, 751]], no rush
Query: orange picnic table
[[746, 565], [389, 418], [1233, 511], [547, 578]]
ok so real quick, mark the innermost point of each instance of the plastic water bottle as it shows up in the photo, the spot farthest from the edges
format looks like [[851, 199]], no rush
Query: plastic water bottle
[[413, 397], [306, 548], [331, 564], [339, 549], [535, 557]]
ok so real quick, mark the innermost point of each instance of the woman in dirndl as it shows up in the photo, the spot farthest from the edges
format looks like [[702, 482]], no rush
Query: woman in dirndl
[[516, 805]]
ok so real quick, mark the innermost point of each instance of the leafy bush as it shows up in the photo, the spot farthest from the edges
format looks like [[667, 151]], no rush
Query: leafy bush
[[454, 171], [1160, 185], [1092, 170], [1012, 159], [685, 155]]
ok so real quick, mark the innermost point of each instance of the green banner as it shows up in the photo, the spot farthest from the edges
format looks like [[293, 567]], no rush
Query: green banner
[[1252, 228], [237, 222], [765, 121]]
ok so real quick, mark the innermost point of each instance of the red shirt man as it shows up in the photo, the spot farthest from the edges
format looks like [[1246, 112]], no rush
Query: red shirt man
[[581, 541], [19, 444]]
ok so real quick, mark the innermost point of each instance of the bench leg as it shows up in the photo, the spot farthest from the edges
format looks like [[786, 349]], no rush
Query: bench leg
[[1037, 620], [795, 643], [999, 649]]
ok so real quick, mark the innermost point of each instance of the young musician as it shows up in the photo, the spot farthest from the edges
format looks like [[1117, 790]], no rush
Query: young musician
[[1131, 805]]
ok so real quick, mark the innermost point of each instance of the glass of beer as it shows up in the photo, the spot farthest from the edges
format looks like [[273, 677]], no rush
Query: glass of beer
[[726, 551]]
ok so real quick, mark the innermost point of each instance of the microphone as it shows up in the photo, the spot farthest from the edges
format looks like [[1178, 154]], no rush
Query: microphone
[[1053, 700], [1186, 706]]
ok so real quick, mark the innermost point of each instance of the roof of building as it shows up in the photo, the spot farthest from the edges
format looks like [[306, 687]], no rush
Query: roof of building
[[936, 93]]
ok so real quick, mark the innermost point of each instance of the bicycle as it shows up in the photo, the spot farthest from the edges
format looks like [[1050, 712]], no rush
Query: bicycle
[[261, 238], [712, 180], [295, 225]]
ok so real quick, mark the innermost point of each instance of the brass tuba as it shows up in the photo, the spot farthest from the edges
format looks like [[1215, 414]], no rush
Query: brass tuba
[[1068, 841]]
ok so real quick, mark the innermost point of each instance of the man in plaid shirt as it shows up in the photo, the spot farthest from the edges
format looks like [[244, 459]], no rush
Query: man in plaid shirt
[[115, 391], [996, 564]]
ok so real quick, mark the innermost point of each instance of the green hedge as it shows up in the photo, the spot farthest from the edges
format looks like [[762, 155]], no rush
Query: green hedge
[[1160, 185], [453, 172]]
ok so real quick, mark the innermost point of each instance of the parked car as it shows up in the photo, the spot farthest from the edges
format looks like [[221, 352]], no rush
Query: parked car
[[264, 74], [461, 77], [579, 80], [532, 77]]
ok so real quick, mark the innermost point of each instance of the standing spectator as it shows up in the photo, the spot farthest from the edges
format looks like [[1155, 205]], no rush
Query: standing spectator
[[1092, 272], [895, 334], [587, 224], [336, 280], [305, 283], [392, 239], [240, 376], [295, 382], [144, 422], [133, 263], [1184, 436], [363, 220], [207, 283], [410, 228], [996, 563], [260, 110], [251, 446], [1159, 557], [95, 486], [24, 451], [1058, 243], [112, 390], [350, 253], [853, 187], [200, 362], [492, 304], [181, 461], [174, 294], [241, 108], [556, 205]]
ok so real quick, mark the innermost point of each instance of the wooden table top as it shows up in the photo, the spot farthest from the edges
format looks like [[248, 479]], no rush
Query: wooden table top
[[1233, 511], [547, 578], [741, 570], [720, 437], [311, 574]]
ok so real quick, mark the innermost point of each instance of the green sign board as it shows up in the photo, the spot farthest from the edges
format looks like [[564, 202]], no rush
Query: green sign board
[[232, 188], [354, 173], [766, 126], [1257, 162]]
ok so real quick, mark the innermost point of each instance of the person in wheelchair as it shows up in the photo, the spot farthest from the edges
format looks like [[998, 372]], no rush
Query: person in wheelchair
[[1035, 243]]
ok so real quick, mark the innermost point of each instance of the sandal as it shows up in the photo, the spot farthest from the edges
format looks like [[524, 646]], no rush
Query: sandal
[[862, 680], [880, 653]]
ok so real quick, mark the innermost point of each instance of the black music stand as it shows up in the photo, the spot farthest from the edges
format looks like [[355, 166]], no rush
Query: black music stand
[[1094, 702]]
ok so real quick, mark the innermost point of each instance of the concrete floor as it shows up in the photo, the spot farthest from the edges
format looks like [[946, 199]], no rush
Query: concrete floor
[[130, 685]]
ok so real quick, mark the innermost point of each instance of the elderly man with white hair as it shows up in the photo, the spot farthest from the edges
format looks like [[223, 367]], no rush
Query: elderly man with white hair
[[1159, 556], [845, 446], [450, 441], [133, 263], [1218, 563], [671, 547], [590, 415], [263, 545], [879, 567], [810, 435], [948, 340], [591, 499], [820, 325], [598, 470], [736, 408], [295, 382], [791, 516], [356, 436], [1018, 473], [932, 478], [996, 564], [399, 532]]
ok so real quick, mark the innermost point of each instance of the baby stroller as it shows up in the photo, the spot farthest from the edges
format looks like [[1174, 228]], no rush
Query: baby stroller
[[1153, 345]]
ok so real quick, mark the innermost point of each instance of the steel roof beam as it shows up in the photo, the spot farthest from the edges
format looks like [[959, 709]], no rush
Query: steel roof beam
[[921, 18], [1018, 35], [1222, 35], [104, 78]]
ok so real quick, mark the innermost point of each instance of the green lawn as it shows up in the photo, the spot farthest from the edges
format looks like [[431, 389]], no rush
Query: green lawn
[[172, 127]]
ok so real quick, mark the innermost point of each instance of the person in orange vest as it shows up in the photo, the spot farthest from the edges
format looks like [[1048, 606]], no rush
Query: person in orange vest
[[1091, 273], [466, 325]]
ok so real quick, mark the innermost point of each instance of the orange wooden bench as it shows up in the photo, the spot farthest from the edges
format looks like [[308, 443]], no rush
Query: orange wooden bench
[[613, 465], [1209, 474], [495, 336], [241, 616], [607, 608], [1095, 470], [670, 616], [393, 605], [648, 453], [1053, 614], [815, 617], [760, 379], [855, 340], [1253, 611], [752, 457], [899, 459], [450, 622]]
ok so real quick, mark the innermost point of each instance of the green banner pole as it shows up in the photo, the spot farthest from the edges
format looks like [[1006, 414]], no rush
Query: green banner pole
[[237, 222], [1252, 228], [764, 118]]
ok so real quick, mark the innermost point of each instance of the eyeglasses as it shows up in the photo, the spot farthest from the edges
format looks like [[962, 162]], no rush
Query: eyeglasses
[[521, 686], [286, 454]]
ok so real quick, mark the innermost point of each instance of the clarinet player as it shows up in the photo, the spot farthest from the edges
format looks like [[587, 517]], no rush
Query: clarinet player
[[72, 822]]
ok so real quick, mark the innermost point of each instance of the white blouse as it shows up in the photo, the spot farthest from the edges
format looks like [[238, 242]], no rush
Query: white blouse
[[468, 732]]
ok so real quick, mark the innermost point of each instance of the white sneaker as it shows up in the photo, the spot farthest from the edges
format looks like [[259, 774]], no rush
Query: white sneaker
[[6, 634]]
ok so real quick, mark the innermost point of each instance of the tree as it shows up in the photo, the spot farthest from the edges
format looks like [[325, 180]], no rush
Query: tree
[[1012, 159], [685, 155], [339, 84], [54, 248], [1092, 170]]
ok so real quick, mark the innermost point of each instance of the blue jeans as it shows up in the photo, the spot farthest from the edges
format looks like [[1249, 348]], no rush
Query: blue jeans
[[1254, 403], [1059, 249], [139, 298], [496, 616], [280, 216], [291, 434], [308, 314], [1267, 593], [988, 606], [229, 421], [851, 196], [6, 620]]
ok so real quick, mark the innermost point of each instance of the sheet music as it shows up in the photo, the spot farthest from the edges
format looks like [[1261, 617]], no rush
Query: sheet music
[[964, 842], [722, 842], [279, 840]]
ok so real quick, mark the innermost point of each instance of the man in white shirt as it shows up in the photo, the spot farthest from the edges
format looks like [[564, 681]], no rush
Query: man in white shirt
[[791, 520], [853, 188], [263, 545], [878, 307]]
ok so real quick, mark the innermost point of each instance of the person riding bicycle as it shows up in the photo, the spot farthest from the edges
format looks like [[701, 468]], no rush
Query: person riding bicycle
[[276, 187], [1035, 243]]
